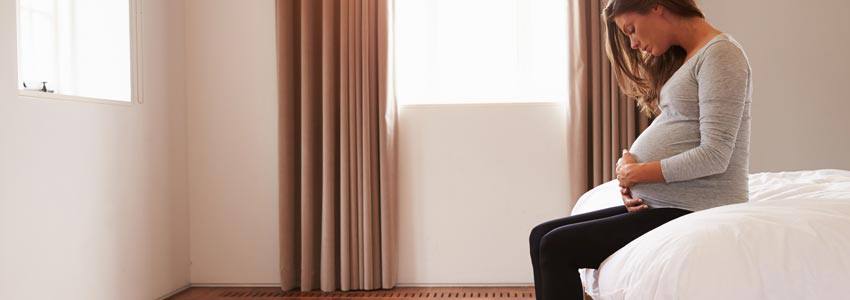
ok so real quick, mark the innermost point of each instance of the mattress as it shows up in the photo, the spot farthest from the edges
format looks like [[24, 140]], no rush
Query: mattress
[[790, 241]]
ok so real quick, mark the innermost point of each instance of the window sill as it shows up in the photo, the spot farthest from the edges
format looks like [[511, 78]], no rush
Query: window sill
[[479, 105], [53, 96]]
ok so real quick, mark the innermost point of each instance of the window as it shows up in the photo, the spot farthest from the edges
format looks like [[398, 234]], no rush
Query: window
[[474, 51], [78, 49]]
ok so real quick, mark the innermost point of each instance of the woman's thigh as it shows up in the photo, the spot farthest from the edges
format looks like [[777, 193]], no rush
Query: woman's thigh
[[539, 231], [587, 244]]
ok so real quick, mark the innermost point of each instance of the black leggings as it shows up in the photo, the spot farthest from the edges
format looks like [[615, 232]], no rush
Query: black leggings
[[562, 246]]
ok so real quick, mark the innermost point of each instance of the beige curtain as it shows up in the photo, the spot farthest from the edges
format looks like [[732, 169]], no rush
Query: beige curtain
[[601, 121], [337, 141]]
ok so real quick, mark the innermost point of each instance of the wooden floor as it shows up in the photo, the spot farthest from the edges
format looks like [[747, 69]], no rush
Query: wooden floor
[[243, 293]]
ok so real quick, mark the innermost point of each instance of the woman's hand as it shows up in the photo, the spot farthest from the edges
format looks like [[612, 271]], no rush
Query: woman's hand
[[632, 205], [625, 169]]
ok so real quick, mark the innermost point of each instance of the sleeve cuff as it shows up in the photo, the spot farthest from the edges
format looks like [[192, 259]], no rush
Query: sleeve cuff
[[666, 171]]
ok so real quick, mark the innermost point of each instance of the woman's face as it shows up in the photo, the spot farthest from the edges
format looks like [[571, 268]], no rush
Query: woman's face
[[649, 32]]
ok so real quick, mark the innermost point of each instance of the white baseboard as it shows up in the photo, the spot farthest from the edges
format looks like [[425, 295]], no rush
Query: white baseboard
[[463, 284], [235, 284]]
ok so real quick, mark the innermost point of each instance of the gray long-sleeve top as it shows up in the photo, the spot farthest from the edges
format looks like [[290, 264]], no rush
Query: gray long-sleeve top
[[702, 136]]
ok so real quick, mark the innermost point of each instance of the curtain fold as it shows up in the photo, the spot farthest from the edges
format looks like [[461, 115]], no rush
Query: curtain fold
[[601, 120], [337, 146]]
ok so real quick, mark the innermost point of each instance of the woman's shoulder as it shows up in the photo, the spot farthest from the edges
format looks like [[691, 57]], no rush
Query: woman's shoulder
[[723, 50]]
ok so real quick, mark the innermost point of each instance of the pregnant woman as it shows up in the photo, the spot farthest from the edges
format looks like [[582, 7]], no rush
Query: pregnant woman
[[695, 154]]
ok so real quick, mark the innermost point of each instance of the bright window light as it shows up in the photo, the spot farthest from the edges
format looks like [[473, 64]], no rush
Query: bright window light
[[79, 48], [480, 51]]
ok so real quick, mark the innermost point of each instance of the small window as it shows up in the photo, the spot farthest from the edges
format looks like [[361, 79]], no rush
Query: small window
[[480, 51], [78, 49]]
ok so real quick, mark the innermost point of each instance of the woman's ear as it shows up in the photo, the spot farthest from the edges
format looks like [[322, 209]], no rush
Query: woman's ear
[[658, 10]]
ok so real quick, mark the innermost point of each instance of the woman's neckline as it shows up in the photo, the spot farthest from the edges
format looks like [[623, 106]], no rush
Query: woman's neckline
[[717, 36], [696, 53]]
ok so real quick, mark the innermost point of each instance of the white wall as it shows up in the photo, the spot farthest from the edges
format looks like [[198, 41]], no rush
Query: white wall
[[93, 196], [473, 180], [233, 153], [798, 52]]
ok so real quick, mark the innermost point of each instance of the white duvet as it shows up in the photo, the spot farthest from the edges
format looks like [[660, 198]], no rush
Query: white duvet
[[791, 241]]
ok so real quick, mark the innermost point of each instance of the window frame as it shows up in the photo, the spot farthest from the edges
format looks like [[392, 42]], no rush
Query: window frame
[[136, 58]]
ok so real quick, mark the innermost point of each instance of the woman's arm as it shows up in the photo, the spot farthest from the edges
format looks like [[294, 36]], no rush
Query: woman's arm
[[723, 79]]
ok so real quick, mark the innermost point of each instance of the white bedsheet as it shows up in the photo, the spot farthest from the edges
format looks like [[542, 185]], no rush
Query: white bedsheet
[[791, 241]]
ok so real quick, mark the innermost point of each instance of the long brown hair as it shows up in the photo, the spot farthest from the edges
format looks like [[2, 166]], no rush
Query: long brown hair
[[640, 75]]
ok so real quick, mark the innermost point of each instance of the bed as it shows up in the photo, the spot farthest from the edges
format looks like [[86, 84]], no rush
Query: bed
[[790, 241]]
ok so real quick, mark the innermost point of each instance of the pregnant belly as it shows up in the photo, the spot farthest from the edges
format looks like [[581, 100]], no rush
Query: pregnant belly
[[651, 194], [662, 140]]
